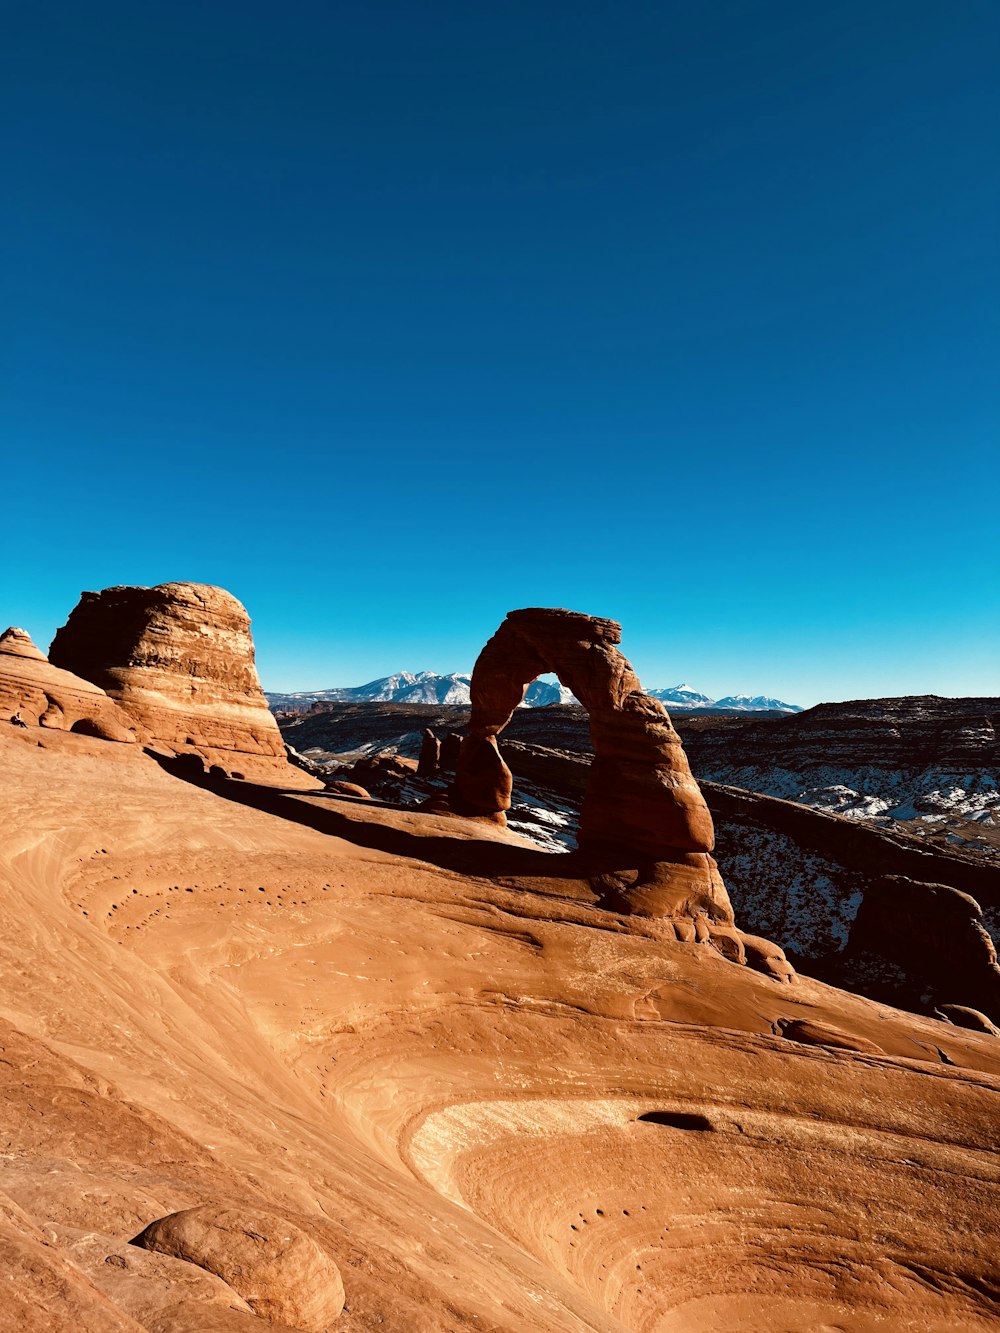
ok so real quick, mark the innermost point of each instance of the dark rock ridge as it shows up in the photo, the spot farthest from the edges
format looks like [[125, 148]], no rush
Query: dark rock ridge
[[896, 759]]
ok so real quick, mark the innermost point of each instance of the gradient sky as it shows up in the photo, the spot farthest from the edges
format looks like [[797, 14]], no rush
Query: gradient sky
[[389, 318]]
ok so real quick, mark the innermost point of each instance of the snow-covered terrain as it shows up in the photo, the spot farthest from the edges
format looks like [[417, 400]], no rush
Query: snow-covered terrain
[[428, 687], [872, 792]]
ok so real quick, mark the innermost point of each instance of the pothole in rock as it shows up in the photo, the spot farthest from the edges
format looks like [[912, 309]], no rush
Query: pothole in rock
[[677, 1120]]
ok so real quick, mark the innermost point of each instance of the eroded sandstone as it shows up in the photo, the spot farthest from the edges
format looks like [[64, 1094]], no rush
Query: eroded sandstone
[[43, 695], [280, 1271], [179, 658], [644, 823]]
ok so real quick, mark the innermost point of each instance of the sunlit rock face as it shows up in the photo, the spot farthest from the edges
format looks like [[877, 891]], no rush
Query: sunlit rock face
[[180, 659], [40, 694]]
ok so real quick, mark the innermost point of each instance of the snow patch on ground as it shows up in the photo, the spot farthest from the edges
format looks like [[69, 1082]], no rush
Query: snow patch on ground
[[786, 893], [872, 792], [543, 818]]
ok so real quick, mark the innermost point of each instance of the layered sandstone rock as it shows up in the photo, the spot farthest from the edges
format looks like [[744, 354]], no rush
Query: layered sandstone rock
[[179, 658], [644, 822], [43, 695]]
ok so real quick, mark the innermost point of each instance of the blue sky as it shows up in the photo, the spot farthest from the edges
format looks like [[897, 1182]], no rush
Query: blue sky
[[390, 318]]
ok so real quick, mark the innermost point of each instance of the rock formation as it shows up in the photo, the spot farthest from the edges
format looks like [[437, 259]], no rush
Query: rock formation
[[451, 748], [281, 1273], [644, 822], [430, 755], [45, 696], [179, 659], [339, 788], [935, 936]]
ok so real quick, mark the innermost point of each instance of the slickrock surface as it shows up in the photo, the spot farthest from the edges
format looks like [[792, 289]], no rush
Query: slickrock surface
[[644, 821], [45, 696], [493, 1103], [178, 658]]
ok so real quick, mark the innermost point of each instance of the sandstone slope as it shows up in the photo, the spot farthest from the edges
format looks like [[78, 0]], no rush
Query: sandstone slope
[[490, 1102]]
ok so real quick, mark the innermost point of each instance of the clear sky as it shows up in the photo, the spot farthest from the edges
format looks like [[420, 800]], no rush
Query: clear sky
[[390, 318]]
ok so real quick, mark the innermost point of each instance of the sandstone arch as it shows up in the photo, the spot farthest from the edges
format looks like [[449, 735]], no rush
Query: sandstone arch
[[644, 825]]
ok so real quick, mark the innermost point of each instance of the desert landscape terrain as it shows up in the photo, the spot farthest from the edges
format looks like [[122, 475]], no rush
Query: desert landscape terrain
[[283, 1057]]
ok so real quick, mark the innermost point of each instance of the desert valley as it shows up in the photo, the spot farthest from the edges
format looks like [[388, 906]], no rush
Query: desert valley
[[611, 1023]]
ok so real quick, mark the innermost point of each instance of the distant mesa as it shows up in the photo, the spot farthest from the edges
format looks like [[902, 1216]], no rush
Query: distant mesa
[[41, 694], [179, 659], [643, 812]]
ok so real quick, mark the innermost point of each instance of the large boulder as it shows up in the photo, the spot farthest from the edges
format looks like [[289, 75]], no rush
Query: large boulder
[[934, 940], [179, 658], [281, 1273], [40, 694]]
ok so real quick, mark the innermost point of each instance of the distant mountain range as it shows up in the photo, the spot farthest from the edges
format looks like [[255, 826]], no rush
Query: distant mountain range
[[427, 687]]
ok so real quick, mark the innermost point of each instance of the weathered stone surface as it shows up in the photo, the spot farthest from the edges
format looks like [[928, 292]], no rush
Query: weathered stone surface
[[451, 748], [430, 755], [340, 788], [935, 936], [45, 696], [380, 772], [179, 658], [964, 1017], [642, 809], [809, 1032], [641, 794], [484, 1093], [281, 1273]]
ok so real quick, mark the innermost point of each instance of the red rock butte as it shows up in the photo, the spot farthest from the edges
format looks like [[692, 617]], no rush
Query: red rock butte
[[179, 658]]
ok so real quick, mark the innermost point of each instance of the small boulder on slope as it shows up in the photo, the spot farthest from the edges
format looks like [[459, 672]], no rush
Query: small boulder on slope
[[281, 1273]]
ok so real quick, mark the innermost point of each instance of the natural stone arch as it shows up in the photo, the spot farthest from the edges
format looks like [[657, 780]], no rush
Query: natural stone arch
[[644, 825], [641, 795]]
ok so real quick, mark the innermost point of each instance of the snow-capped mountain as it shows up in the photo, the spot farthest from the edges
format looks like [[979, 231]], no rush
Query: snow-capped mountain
[[682, 696], [541, 693], [428, 687], [687, 697], [754, 703]]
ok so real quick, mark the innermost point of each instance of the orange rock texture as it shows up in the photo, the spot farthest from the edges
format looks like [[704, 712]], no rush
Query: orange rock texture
[[488, 1100], [280, 1060], [179, 659], [43, 695]]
